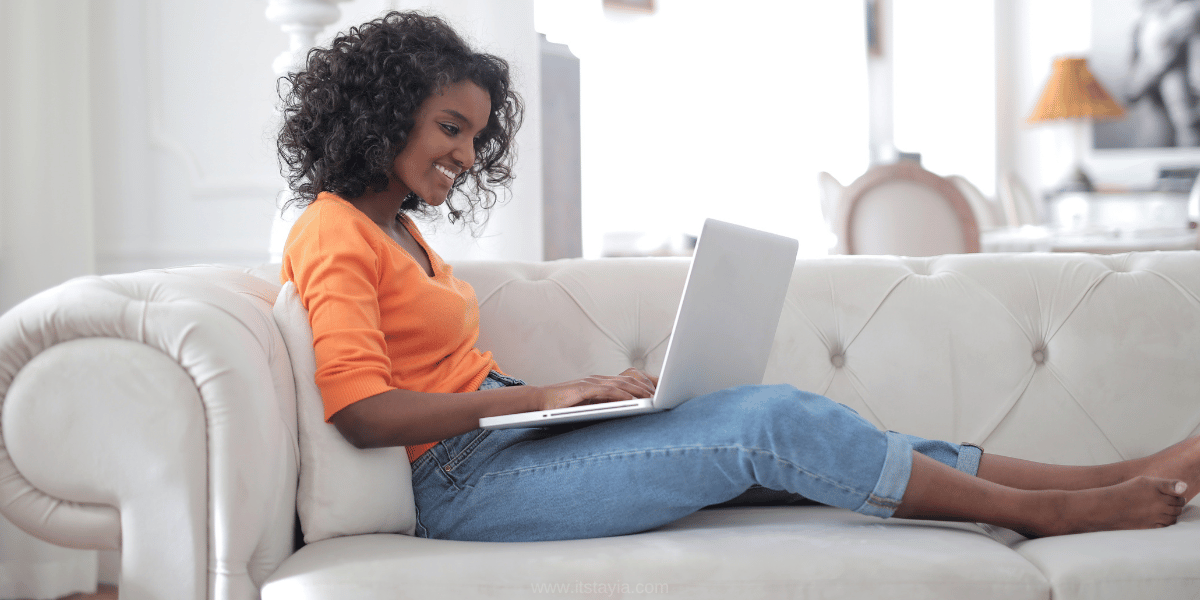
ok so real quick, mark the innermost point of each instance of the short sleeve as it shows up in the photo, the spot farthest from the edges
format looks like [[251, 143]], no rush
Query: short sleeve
[[336, 270]]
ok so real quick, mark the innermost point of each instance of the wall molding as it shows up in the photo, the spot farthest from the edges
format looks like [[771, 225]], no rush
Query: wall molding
[[202, 184]]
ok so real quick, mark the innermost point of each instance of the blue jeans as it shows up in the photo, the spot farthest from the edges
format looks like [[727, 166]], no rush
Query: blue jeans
[[628, 475]]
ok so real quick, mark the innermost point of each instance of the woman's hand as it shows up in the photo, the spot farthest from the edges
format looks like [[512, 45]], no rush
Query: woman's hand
[[630, 384]]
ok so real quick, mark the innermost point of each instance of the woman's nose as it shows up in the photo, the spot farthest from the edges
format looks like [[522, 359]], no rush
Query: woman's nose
[[464, 155]]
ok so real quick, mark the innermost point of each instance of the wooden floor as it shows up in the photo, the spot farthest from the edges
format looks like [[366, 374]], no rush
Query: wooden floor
[[103, 592]]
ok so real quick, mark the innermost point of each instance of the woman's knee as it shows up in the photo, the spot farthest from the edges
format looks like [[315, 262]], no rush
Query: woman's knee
[[758, 406], [782, 408], [784, 400]]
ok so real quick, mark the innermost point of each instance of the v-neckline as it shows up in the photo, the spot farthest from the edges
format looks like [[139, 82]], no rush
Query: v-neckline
[[432, 272]]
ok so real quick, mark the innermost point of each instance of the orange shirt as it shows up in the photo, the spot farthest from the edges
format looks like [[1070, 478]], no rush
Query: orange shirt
[[379, 321]]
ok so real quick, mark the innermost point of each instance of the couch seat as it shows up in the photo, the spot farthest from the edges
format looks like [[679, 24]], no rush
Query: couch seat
[[744, 552]]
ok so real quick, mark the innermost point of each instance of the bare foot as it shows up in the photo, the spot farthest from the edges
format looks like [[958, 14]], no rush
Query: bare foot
[[1181, 461], [1140, 503]]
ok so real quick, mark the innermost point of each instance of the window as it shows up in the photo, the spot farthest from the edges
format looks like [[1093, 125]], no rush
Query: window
[[714, 109], [945, 86]]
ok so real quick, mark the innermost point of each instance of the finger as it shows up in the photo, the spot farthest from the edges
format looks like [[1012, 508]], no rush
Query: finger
[[638, 385], [652, 379], [594, 392], [643, 379], [638, 388]]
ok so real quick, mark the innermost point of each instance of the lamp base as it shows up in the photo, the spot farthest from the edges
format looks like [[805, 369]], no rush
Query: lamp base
[[1076, 181]]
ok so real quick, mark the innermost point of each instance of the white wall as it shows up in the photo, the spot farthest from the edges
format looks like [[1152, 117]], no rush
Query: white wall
[[183, 115]]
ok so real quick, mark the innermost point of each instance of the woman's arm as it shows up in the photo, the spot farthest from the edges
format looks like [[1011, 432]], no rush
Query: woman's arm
[[406, 418]]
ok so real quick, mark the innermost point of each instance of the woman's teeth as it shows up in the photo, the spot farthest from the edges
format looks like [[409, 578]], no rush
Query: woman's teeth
[[444, 171]]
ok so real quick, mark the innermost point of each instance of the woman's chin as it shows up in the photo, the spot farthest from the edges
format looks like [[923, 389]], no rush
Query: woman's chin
[[436, 199], [428, 199]]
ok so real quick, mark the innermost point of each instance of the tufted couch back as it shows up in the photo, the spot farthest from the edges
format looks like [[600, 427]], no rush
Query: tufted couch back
[[1077, 359]]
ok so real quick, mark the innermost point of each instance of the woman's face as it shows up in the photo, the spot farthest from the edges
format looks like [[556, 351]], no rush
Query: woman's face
[[441, 145]]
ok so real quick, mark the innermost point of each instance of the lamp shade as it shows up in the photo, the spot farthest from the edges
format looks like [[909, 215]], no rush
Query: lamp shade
[[1073, 93]]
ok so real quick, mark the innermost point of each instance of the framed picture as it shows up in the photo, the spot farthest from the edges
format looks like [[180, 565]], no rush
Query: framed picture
[[1147, 54], [645, 6]]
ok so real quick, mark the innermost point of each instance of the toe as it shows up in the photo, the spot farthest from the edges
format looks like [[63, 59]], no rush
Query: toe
[[1172, 487]]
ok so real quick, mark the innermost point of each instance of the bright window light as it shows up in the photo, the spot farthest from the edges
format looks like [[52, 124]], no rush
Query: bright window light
[[712, 109], [945, 86]]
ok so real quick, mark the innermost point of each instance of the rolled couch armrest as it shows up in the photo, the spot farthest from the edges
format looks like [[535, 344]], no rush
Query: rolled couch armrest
[[153, 412]]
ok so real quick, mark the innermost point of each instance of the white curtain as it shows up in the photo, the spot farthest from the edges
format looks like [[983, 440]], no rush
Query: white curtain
[[45, 218], [46, 232]]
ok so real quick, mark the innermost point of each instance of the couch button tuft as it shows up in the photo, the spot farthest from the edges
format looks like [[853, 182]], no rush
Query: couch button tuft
[[1039, 356], [838, 360]]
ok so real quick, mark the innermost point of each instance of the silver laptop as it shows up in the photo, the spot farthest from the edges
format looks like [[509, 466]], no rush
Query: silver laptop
[[723, 330]]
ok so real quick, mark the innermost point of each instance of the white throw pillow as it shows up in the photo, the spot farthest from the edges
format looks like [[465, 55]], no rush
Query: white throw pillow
[[343, 490]]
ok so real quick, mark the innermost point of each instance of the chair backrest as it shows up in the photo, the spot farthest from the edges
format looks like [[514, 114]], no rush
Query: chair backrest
[[905, 210], [988, 213], [1020, 206], [831, 191]]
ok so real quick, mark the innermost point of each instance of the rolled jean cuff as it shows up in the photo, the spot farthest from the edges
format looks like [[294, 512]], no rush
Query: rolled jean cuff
[[968, 459], [893, 479]]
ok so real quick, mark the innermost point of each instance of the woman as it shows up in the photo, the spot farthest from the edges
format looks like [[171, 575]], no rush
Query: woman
[[399, 116]]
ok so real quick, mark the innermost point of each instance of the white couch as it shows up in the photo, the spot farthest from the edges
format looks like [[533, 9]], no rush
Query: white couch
[[156, 412]]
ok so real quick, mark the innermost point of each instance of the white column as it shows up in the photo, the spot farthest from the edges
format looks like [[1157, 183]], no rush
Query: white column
[[302, 21]]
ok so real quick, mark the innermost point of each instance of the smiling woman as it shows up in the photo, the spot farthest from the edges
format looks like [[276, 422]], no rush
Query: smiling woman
[[336, 140]]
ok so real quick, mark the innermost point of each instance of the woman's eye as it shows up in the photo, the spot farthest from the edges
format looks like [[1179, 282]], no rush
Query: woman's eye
[[450, 128]]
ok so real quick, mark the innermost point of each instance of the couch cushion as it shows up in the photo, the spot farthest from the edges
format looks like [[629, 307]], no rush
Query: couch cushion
[[342, 490], [1151, 563], [760, 552]]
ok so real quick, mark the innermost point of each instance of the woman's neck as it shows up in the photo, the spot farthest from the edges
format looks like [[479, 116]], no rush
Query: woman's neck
[[381, 207]]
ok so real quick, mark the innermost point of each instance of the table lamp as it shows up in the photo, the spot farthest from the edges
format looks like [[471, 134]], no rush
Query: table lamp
[[1073, 93]]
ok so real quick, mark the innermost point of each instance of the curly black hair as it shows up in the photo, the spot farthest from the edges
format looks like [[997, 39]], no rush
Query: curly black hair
[[348, 113]]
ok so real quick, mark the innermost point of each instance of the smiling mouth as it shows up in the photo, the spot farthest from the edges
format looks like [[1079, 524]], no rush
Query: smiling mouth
[[444, 171]]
